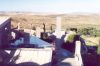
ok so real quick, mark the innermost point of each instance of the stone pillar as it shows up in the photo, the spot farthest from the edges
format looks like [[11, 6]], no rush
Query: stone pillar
[[18, 26], [58, 27], [58, 32], [38, 32], [78, 48], [78, 57]]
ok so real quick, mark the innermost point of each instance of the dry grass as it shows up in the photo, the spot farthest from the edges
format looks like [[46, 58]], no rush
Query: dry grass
[[91, 41], [81, 21], [28, 20]]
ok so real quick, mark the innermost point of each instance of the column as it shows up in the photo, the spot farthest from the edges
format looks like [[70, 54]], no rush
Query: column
[[58, 27], [38, 32]]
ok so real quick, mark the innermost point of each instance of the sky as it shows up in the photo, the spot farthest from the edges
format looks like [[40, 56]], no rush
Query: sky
[[58, 6]]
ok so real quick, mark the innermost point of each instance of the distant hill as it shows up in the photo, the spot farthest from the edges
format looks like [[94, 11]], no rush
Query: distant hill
[[30, 19]]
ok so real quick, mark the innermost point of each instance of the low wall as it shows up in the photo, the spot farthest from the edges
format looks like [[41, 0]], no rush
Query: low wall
[[28, 56], [5, 28]]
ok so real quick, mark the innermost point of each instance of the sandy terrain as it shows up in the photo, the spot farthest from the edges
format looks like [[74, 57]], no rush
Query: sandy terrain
[[28, 20]]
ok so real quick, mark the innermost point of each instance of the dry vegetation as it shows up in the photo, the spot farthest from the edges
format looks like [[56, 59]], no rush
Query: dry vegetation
[[91, 41], [79, 21], [28, 20]]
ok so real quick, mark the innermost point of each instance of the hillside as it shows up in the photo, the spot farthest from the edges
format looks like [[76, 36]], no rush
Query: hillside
[[29, 20]]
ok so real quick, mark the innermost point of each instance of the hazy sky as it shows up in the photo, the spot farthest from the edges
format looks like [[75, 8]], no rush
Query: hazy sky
[[59, 6]]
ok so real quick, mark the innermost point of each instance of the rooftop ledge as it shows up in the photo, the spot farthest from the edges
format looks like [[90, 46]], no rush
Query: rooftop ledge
[[3, 19]]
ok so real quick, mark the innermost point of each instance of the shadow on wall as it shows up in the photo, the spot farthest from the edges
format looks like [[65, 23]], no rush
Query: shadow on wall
[[28, 64], [64, 64], [8, 59], [91, 60], [35, 64]]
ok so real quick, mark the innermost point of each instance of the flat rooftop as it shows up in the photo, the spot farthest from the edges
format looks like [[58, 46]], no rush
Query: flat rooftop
[[3, 19]]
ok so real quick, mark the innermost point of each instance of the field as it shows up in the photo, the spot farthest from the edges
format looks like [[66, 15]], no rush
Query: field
[[77, 21], [91, 41], [28, 20]]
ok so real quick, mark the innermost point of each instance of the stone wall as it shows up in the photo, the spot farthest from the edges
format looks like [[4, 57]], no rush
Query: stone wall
[[5, 29]]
